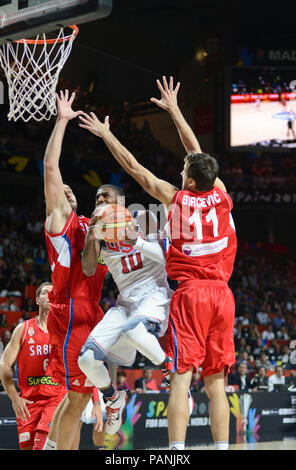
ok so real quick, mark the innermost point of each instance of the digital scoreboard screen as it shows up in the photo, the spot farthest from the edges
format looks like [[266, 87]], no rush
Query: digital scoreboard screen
[[262, 108]]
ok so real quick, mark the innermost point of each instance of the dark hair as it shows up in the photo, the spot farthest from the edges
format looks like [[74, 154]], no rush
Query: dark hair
[[39, 290], [203, 169], [118, 189], [121, 373]]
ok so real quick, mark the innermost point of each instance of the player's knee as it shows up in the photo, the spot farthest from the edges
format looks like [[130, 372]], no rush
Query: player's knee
[[214, 387], [143, 327], [86, 360]]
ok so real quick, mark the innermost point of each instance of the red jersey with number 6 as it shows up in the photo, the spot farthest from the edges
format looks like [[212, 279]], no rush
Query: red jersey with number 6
[[32, 359], [64, 253], [201, 235]]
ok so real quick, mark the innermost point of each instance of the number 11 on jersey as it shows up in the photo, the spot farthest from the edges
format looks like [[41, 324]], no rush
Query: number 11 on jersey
[[196, 219]]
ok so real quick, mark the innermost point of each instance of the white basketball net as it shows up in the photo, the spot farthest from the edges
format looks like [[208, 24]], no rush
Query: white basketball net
[[32, 72]]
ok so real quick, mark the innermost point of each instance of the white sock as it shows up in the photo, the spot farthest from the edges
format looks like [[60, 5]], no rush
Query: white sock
[[221, 445], [49, 445], [176, 445]]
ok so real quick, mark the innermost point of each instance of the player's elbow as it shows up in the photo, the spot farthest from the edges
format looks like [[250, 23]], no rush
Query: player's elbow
[[88, 270], [47, 165]]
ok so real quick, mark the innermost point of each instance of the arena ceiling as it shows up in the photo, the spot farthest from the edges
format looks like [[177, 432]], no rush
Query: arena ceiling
[[161, 35]]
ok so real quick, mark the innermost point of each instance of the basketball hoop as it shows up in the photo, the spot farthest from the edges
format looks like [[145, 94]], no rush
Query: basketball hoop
[[32, 68]]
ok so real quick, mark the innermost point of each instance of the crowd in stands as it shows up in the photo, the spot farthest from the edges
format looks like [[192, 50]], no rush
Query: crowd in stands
[[83, 152], [266, 81], [263, 284], [255, 170]]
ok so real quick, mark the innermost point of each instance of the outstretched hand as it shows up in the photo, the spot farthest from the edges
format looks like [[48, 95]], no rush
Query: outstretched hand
[[92, 124], [168, 99], [64, 105]]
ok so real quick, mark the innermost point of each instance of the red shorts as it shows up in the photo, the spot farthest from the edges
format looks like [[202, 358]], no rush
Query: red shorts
[[41, 412], [69, 324], [200, 331]]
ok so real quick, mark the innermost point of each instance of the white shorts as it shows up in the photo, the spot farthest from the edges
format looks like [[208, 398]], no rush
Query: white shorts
[[109, 335], [86, 416]]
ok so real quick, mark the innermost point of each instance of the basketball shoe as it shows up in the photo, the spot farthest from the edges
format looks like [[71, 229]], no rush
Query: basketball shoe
[[114, 409]]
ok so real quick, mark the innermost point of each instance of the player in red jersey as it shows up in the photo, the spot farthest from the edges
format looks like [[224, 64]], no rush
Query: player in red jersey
[[30, 347], [200, 257], [75, 297]]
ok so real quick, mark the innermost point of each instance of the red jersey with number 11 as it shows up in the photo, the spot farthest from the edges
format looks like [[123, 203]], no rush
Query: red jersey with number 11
[[201, 234]]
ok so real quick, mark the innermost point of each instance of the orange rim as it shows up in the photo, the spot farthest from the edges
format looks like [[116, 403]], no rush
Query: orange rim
[[51, 41]]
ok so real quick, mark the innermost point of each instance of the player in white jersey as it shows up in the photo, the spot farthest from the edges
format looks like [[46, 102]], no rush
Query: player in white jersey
[[141, 312]]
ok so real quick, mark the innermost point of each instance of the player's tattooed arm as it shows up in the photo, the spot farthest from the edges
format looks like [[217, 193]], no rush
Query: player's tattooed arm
[[157, 188], [57, 204], [169, 102], [92, 249]]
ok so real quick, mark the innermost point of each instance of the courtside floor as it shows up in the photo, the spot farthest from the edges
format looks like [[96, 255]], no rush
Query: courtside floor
[[276, 445], [287, 444]]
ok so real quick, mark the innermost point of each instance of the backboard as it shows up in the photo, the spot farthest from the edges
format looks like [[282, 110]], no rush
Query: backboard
[[21, 19]]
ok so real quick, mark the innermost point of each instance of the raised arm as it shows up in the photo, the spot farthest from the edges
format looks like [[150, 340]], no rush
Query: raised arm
[[58, 208], [7, 360], [157, 188], [92, 248], [168, 101]]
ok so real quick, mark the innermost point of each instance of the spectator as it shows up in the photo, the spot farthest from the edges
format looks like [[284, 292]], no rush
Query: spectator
[[10, 305], [244, 358], [250, 353], [276, 379], [145, 383], [240, 344], [259, 382], [3, 321], [245, 320], [274, 352], [291, 380], [278, 321], [254, 335], [6, 336], [285, 356], [268, 334], [282, 333], [122, 380], [241, 378], [264, 361], [258, 349], [30, 305], [263, 318]]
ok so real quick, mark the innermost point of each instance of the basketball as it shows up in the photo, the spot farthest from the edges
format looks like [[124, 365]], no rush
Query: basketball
[[111, 222]]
